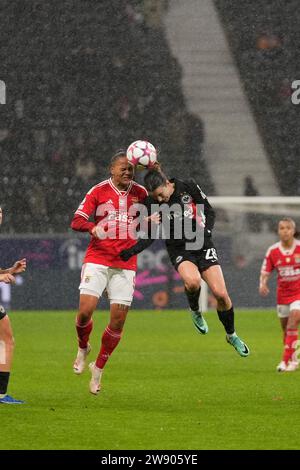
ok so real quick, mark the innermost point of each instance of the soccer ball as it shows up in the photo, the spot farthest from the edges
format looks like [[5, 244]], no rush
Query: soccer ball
[[141, 153]]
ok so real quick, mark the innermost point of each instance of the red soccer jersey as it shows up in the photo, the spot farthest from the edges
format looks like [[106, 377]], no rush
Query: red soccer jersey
[[287, 265], [110, 209]]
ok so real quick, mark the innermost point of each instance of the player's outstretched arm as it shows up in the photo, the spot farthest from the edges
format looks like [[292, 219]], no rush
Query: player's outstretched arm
[[7, 278], [263, 284], [142, 243], [80, 224], [18, 267], [200, 198], [140, 246]]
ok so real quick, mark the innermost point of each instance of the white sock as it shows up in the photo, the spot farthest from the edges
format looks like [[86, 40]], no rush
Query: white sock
[[97, 372], [196, 311], [232, 334]]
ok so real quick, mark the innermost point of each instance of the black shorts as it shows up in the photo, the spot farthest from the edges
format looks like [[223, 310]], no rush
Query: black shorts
[[2, 312], [203, 259]]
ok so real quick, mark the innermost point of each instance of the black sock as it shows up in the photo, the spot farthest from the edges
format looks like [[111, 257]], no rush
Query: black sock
[[227, 319], [4, 378], [193, 299]]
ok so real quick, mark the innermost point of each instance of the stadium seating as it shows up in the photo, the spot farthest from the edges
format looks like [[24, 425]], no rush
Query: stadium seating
[[84, 79], [264, 36]]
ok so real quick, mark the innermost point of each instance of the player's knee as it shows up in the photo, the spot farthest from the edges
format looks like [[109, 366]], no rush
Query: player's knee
[[2, 352], [7, 344], [117, 323], [6, 332], [221, 295], [294, 319], [118, 315], [192, 283], [84, 316], [9, 341]]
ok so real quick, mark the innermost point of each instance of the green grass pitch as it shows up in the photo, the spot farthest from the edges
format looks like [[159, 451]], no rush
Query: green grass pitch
[[165, 387]]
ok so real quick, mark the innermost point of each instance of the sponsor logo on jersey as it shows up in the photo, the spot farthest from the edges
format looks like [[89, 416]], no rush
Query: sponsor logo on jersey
[[179, 214], [188, 213], [287, 271]]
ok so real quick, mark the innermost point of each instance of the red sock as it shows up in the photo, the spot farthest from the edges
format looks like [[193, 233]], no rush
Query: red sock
[[291, 339], [83, 333], [110, 340], [284, 336]]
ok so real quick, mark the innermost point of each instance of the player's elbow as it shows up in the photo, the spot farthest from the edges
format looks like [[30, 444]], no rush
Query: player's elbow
[[74, 224]]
